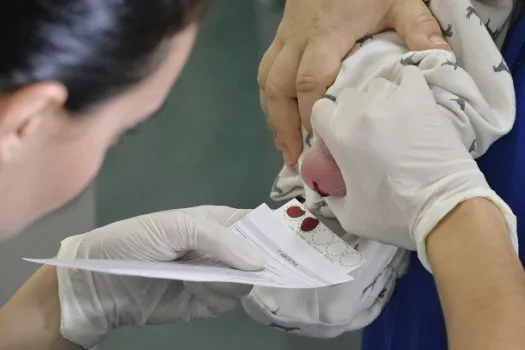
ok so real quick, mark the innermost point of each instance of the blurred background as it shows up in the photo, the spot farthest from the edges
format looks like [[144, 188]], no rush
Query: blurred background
[[210, 145]]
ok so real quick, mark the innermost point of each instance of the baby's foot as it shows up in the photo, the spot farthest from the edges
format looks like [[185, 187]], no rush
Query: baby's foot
[[321, 173]]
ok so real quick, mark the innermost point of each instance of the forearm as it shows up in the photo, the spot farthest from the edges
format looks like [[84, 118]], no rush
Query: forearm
[[480, 280], [31, 319]]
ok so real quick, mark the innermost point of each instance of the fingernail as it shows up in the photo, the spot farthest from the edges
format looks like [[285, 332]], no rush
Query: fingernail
[[438, 40]]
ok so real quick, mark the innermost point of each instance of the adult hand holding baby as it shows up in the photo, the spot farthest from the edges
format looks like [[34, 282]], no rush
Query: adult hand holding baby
[[310, 44], [403, 164]]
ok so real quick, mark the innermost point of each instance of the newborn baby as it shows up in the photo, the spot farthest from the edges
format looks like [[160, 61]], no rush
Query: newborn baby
[[473, 89], [321, 173]]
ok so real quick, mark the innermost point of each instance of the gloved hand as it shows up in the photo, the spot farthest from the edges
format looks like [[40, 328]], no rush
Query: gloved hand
[[94, 303], [403, 164]]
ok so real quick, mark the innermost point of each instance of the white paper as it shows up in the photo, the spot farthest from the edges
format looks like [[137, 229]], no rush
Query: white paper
[[294, 259]]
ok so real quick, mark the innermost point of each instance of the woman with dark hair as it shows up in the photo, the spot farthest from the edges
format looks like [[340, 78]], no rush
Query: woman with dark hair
[[74, 76]]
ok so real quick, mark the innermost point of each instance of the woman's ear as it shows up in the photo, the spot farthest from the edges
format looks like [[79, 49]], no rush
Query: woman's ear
[[21, 114]]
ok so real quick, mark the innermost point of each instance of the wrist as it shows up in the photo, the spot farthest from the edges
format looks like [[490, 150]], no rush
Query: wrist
[[83, 312], [34, 310], [480, 280], [465, 192], [472, 224]]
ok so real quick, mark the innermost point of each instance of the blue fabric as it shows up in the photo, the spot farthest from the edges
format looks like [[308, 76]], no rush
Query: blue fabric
[[413, 319]]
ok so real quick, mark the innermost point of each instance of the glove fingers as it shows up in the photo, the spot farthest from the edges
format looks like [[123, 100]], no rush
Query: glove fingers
[[223, 215], [323, 113], [413, 81], [235, 216], [207, 302], [224, 245], [226, 216]]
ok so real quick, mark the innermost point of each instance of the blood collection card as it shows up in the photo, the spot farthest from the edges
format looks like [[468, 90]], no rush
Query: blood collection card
[[300, 252]]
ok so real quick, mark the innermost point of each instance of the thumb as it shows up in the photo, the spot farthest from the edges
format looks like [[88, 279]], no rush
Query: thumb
[[333, 121], [323, 113], [417, 26], [224, 245]]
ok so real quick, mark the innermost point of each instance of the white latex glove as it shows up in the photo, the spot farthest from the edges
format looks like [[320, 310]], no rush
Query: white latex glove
[[94, 303], [403, 163]]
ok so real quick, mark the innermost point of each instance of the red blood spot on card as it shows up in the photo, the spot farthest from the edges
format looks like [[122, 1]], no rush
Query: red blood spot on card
[[309, 224], [295, 212]]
